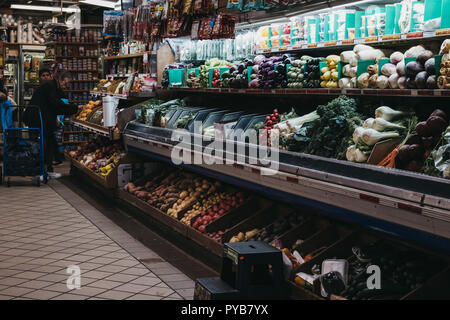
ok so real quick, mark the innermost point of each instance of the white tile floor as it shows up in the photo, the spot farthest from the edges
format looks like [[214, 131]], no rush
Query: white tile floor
[[41, 235]]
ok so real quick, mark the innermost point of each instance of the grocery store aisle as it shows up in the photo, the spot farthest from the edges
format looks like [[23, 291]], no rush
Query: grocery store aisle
[[41, 234]]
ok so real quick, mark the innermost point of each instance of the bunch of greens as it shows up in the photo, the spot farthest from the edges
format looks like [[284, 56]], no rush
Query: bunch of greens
[[328, 136], [183, 121], [153, 110]]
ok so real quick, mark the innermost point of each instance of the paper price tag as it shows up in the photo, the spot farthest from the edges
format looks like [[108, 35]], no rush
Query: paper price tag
[[145, 58]]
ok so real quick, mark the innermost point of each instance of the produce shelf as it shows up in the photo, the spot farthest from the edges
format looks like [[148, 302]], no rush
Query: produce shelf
[[443, 93], [146, 94], [95, 128], [188, 232], [104, 94], [400, 198], [378, 41]]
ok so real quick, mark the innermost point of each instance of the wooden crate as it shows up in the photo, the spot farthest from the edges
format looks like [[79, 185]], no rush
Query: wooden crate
[[109, 181], [153, 212], [259, 220]]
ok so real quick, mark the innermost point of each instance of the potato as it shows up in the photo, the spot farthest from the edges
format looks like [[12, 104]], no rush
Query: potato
[[183, 194], [241, 236]]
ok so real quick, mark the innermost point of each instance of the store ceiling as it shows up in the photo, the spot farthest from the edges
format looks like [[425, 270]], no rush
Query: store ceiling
[[66, 3]]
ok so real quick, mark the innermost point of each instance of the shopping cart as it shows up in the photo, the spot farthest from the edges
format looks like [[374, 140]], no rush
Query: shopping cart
[[23, 150]]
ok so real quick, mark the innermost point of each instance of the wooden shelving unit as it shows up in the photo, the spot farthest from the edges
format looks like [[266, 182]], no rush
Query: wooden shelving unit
[[127, 56], [59, 57]]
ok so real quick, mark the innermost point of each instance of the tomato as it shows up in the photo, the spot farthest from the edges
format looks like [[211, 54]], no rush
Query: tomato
[[215, 208], [269, 123], [203, 213], [275, 110], [274, 118], [201, 228], [267, 118]]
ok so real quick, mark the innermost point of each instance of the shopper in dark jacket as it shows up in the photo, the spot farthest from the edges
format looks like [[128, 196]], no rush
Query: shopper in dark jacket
[[48, 98]]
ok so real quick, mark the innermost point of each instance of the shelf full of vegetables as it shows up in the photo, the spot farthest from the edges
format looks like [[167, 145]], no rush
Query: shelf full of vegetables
[[208, 212], [312, 164], [419, 71]]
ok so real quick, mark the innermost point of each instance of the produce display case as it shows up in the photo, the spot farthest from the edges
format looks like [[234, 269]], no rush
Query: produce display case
[[109, 181], [340, 202]]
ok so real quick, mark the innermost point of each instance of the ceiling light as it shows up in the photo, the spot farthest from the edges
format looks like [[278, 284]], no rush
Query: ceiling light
[[44, 8], [100, 3]]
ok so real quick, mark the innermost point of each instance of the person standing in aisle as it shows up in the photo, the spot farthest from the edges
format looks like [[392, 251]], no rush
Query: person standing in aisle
[[46, 75], [48, 98]]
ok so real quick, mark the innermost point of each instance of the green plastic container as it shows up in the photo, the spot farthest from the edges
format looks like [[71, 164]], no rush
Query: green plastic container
[[311, 23], [381, 63], [398, 9], [445, 19], [363, 65], [349, 23], [390, 19], [432, 9], [177, 77], [249, 73]]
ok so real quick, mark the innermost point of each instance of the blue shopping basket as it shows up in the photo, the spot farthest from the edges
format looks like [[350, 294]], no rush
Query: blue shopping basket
[[23, 148]]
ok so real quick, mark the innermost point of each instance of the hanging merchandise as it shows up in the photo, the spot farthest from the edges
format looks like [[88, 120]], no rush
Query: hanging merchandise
[[113, 23]]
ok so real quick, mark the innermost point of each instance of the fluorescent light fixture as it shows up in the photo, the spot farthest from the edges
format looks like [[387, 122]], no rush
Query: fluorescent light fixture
[[100, 3], [44, 8]]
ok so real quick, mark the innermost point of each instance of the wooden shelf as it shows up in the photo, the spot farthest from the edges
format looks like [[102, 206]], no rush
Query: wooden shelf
[[74, 142], [72, 43], [443, 93], [80, 57], [76, 90], [24, 44], [70, 70], [127, 56]]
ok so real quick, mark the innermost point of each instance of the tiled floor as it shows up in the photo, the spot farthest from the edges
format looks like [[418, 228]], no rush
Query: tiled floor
[[41, 235]]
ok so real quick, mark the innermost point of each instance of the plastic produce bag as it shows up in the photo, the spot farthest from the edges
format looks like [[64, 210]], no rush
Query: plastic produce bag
[[333, 276], [441, 156], [6, 114], [112, 23]]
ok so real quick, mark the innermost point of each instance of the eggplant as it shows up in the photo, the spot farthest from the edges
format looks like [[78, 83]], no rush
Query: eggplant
[[241, 68], [250, 63], [233, 69], [281, 68], [410, 83], [413, 68], [431, 82], [421, 80], [430, 67], [424, 56]]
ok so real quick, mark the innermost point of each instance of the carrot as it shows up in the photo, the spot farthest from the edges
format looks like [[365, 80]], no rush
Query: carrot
[[389, 160]]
